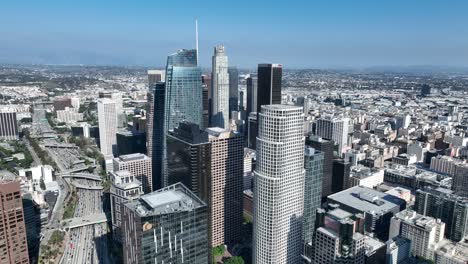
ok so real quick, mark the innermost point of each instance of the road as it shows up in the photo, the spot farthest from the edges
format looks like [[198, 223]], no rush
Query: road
[[87, 244]]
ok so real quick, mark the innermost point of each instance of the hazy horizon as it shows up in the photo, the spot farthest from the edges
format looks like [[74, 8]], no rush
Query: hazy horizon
[[297, 34]]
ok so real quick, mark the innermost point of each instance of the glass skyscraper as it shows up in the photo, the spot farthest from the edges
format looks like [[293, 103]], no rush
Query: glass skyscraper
[[313, 164]]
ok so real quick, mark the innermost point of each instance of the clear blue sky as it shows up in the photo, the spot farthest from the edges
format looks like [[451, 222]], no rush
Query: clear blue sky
[[296, 33]]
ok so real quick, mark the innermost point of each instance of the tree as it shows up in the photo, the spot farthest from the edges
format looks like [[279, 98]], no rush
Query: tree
[[235, 260]]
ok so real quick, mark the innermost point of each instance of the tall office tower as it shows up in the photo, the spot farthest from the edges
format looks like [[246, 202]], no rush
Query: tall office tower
[[124, 187], [279, 185], [206, 81], [13, 245], [423, 231], [233, 90], [241, 101], [140, 167], [8, 125], [155, 134], [252, 84], [220, 89], [107, 118], [269, 85], [339, 238], [226, 186], [32, 222], [340, 175], [184, 91], [183, 99], [313, 164], [188, 158], [334, 128], [211, 164], [445, 205], [252, 130], [460, 180], [155, 76], [166, 226], [325, 146], [206, 104]]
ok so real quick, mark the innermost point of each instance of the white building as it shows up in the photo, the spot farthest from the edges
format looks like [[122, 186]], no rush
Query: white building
[[444, 164], [449, 252], [107, 118], [37, 173], [69, 115], [334, 128], [419, 149], [220, 89], [423, 231], [364, 176], [75, 102], [279, 185]]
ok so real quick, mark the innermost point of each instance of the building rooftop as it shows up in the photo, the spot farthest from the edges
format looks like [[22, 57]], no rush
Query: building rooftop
[[366, 200], [171, 199], [413, 218], [132, 157]]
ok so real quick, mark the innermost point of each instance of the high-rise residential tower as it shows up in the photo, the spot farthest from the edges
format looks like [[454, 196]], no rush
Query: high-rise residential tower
[[220, 89], [107, 117], [233, 90], [13, 243], [279, 185], [166, 226]]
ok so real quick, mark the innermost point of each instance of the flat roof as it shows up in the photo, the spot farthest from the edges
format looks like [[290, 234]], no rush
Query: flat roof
[[366, 200]]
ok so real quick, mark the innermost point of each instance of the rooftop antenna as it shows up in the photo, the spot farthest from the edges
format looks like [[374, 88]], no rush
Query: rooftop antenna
[[196, 37]]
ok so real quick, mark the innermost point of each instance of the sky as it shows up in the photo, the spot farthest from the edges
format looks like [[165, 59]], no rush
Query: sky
[[295, 33]]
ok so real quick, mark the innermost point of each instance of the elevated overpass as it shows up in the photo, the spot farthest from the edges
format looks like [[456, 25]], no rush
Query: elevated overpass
[[87, 176], [84, 221]]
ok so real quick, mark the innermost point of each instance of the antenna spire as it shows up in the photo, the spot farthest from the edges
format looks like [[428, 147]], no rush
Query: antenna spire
[[196, 37]]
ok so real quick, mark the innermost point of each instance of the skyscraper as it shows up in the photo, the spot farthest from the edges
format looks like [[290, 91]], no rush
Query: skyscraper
[[220, 89], [269, 85], [251, 82], [107, 117], [325, 146], [155, 133], [211, 164], [334, 128], [226, 186], [13, 243], [233, 90], [279, 185], [166, 226], [183, 98], [313, 164], [8, 125], [139, 165]]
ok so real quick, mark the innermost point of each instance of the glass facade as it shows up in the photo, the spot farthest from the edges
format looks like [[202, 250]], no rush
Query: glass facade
[[313, 163], [166, 226]]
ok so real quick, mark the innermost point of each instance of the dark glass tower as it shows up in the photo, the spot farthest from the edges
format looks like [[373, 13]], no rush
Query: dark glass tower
[[233, 90], [325, 146], [269, 84], [251, 94], [156, 135]]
